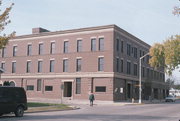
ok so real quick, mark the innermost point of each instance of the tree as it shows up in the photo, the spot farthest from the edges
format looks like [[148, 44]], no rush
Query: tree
[[170, 82], [166, 55], [4, 20], [176, 10]]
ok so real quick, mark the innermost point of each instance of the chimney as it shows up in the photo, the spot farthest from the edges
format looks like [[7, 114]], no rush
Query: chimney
[[39, 30]]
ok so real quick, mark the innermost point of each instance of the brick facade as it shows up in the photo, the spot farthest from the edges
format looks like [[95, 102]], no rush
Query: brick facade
[[98, 68]]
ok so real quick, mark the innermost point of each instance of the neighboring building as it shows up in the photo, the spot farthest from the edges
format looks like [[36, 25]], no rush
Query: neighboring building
[[103, 60]]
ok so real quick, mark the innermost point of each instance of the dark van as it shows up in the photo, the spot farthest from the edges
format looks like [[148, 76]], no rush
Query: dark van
[[13, 99]]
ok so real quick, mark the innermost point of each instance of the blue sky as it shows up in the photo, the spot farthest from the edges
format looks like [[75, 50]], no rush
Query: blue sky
[[150, 20]]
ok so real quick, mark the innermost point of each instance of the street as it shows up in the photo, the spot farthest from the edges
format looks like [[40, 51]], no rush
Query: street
[[116, 112]]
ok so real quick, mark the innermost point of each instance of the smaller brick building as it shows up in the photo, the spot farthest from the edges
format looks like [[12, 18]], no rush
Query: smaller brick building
[[72, 63]]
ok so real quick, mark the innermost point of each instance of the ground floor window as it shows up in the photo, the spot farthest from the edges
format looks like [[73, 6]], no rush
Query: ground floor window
[[30, 87], [78, 85], [48, 88], [100, 89]]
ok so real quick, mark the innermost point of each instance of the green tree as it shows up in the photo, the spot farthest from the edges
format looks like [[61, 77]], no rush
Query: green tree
[[170, 82], [166, 55], [4, 20], [176, 10]]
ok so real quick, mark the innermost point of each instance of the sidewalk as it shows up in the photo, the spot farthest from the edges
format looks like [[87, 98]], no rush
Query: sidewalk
[[86, 102]]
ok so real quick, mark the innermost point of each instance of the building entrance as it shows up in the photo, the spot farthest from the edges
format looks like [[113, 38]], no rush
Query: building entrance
[[129, 91], [67, 89]]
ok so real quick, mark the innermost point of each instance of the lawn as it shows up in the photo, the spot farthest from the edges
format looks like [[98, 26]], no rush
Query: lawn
[[39, 107]]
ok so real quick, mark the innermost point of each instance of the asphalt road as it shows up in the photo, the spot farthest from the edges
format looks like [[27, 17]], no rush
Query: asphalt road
[[115, 112]]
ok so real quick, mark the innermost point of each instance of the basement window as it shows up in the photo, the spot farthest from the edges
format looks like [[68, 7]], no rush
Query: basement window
[[100, 89], [48, 88]]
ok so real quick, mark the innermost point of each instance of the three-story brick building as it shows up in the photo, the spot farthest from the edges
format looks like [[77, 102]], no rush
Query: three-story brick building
[[72, 63]]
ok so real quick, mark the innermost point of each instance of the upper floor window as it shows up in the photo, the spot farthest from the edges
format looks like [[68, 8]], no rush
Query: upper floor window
[[13, 67], [122, 46], [135, 70], [3, 52], [78, 85], [40, 48], [14, 50], [143, 71], [79, 45], [129, 49], [52, 49], [29, 50], [140, 53], [128, 67], [66, 46], [101, 64], [40, 66], [101, 44], [122, 65], [52, 65], [135, 52], [3, 65], [143, 55], [117, 44], [39, 84], [28, 67], [78, 64], [117, 64], [93, 44], [65, 65]]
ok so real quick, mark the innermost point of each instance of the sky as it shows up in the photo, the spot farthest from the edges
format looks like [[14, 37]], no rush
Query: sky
[[150, 20]]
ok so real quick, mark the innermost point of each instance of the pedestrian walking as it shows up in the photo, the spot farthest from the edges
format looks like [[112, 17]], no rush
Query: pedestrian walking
[[91, 99]]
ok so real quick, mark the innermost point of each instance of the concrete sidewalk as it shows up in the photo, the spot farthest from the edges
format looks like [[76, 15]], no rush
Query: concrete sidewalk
[[86, 102]]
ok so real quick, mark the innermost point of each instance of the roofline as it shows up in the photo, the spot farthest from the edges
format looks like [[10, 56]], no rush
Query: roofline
[[65, 31], [82, 29]]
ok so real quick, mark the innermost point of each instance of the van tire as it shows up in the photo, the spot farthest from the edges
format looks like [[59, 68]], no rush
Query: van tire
[[19, 111]]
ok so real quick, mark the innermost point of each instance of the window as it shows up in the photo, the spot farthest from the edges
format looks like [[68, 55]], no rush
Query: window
[[147, 59], [143, 71], [148, 72], [128, 67], [140, 53], [143, 55], [30, 87], [29, 50], [78, 64], [117, 45], [79, 45], [3, 65], [39, 66], [65, 65], [51, 66], [13, 67], [122, 46], [40, 48], [93, 44], [66, 46], [14, 50], [122, 66], [101, 64], [129, 49], [39, 84], [101, 44], [117, 64], [78, 85], [28, 67], [52, 49], [100, 89], [3, 52], [135, 52], [48, 88], [135, 70]]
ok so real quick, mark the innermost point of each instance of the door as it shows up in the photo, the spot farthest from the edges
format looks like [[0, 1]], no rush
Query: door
[[67, 89]]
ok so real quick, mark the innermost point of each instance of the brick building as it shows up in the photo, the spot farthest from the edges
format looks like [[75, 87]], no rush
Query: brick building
[[103, 60]]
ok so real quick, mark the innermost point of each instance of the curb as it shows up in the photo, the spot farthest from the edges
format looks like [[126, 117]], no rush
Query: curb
[[38, 111]]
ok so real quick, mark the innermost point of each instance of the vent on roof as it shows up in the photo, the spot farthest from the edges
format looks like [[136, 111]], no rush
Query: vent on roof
[[39, 30]]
